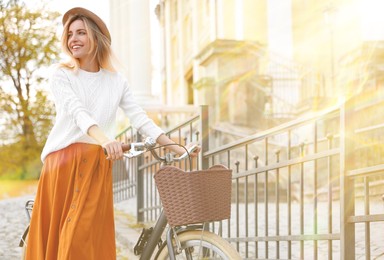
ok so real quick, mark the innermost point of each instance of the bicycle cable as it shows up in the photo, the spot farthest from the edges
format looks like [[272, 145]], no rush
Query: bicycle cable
[[201, 240], [186, 150]]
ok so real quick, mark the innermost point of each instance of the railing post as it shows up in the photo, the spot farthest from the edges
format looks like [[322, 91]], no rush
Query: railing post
[[204, 135], [347, 186], [204, 143], [139, 185]]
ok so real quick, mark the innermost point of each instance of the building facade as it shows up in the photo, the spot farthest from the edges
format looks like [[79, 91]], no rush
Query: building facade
[[255, 63], [210, 48]]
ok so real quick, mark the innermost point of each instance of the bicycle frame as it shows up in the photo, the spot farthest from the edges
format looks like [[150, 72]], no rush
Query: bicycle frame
[[155, 237], [28, 210]]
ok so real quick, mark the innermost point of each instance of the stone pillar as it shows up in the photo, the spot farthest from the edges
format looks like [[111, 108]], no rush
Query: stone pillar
[[131, 42]]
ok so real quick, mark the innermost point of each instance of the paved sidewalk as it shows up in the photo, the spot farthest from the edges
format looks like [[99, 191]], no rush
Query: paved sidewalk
[[127, 229], [13, 222]]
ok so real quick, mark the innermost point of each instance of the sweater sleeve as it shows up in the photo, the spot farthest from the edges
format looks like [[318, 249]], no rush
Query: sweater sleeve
[[67, 102], [137, 116]]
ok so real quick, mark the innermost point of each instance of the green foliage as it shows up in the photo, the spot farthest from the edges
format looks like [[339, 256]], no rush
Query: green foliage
[[28, 42], [11, 167]]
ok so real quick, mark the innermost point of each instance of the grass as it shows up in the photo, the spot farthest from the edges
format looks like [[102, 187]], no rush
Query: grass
[[16, 188]]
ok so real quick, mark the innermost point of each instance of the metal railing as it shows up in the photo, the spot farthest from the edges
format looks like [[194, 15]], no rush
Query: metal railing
[[295, 189]]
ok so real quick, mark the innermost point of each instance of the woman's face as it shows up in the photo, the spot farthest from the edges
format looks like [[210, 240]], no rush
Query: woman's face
[[78, 41]]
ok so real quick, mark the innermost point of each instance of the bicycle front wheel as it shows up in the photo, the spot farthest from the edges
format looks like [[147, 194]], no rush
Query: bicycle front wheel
[[197, 244]]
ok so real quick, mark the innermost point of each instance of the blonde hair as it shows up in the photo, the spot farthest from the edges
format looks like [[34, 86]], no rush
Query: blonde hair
[[99, 43]]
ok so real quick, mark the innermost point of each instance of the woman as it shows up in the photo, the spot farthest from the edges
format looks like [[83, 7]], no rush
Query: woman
[[73, 211]]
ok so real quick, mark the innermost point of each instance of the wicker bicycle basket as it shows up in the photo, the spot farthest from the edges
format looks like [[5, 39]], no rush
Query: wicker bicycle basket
[[196, 196]]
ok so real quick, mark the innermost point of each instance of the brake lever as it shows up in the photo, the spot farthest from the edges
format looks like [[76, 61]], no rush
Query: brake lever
[[132, 154], [140, 148], [189, 151], [136, 150]]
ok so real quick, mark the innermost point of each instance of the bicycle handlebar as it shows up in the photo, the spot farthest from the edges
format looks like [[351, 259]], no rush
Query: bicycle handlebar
[[126, 147], [136, 149]]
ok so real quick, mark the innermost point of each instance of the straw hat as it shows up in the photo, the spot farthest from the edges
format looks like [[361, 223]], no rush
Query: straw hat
[[82, 11]]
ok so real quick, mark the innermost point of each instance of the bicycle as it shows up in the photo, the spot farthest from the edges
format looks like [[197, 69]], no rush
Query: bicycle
[[186, 237], [24, 237]]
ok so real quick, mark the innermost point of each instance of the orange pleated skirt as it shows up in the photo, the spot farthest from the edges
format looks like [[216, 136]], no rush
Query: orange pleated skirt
[[73, 217]]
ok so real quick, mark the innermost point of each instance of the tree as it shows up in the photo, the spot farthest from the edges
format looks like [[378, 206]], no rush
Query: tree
[[28, 42]]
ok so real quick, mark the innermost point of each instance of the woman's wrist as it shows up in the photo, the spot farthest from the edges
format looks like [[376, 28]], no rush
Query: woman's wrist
[[96, 133], [179, 149], [171, 145]]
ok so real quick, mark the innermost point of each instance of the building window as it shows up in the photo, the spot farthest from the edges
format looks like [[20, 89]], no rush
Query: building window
[[189, 80], [187, 33]]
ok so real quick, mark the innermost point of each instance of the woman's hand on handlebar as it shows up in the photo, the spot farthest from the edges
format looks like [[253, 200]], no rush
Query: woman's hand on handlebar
[[195, 149], [165, 140], [113, 149]]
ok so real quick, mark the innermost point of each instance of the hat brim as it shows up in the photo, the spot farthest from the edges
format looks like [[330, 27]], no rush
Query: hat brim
[[85, 12]]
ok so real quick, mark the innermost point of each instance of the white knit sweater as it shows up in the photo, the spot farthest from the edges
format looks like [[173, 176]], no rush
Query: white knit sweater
[[83, 99]]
